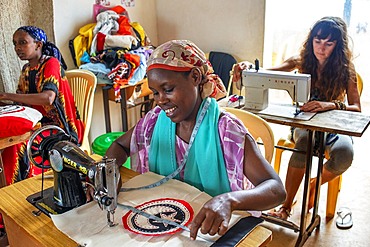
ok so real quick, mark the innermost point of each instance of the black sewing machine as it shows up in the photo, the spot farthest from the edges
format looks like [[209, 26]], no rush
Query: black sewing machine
[[50, 147]]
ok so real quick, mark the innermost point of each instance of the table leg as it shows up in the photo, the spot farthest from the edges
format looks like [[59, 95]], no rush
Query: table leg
[[124, 110], [305, 232], [108, 128], [319, 172]]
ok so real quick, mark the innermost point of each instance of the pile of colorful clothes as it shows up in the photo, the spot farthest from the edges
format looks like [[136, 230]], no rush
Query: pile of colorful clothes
[[114, 48]]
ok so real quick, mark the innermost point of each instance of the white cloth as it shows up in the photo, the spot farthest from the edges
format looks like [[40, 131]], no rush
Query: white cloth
[[124, 41], [87, 225]]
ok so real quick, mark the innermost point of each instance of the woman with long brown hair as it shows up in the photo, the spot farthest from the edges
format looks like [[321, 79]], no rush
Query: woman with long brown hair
[[326, 56]]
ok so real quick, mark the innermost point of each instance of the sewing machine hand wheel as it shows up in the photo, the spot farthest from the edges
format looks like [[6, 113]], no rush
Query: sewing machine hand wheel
[[40, 142]]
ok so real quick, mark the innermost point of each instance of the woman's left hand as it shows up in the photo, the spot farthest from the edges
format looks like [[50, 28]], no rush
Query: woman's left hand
[[213, 217], [317, 106]]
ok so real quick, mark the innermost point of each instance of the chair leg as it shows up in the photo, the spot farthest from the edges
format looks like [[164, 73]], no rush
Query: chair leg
[[278, 152], [277, 162], [332, 197]]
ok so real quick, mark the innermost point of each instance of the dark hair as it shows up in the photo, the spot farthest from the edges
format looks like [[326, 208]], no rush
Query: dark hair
[[339, 68]]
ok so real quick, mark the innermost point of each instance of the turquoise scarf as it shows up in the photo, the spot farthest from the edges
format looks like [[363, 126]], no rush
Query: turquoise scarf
[[205, 167]]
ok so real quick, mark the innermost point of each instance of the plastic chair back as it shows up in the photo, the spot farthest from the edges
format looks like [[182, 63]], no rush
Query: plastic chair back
[[258, 128], [83, 84], [360, 83]]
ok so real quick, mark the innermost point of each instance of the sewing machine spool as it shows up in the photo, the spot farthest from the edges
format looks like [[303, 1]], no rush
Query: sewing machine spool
[[42, 151]]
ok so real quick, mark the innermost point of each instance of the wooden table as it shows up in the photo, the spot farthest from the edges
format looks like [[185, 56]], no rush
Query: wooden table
[[25, 229], [334, 121], [126, 92]]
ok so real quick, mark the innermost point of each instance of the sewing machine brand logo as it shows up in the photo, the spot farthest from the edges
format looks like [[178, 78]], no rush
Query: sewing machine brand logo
[[74, 165], [167, 209]]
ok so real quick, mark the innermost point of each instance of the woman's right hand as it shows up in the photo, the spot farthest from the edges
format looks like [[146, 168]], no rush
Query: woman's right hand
[[213, 218], [237, 70]]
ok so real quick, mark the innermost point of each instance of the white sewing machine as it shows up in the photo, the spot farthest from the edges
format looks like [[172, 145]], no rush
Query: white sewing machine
[[258, 83]]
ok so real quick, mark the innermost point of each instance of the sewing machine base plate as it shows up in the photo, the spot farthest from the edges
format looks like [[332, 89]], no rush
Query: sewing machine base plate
[[44, 201]]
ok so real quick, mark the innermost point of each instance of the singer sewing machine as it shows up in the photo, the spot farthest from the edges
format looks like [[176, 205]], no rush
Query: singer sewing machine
[[258, 82], [50, 147]]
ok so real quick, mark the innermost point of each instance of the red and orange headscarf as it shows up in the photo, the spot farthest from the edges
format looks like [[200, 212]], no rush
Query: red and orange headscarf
[[183, 55]]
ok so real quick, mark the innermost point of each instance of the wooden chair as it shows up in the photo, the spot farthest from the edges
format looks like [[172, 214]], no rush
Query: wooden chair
[[258, 128], [83, 84], [334, 185]]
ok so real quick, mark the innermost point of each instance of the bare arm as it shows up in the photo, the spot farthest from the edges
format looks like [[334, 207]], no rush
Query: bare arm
[[353, 96], [269, 191], [288, 65], [120, 148], [46, 97]]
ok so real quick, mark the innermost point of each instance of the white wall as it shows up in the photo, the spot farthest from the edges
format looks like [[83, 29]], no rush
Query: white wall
[[235, 27]]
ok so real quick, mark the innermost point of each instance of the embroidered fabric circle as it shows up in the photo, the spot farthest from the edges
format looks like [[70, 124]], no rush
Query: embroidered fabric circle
[[170, 209]]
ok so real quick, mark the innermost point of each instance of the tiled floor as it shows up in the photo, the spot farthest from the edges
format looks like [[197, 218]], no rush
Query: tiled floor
[[354, 194]]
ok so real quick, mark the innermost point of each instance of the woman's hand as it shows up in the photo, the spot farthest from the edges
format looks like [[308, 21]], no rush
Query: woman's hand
[[3, 96], [89, 193], [213, 218], [317, 106], [238, 68]]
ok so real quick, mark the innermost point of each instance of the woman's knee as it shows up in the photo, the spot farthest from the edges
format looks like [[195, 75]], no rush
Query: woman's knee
[[340, 160], [300, 137]]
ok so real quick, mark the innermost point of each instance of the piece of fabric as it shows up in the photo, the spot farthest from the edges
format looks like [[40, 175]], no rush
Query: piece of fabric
[[140, 32], [140, 71], [124, 41], [184, 55], [16, 120], [82, 42], [100, 40], [77, 223], [196, 172]]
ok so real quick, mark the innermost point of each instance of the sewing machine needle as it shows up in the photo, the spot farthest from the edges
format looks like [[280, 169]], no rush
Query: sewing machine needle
[[297, 111]]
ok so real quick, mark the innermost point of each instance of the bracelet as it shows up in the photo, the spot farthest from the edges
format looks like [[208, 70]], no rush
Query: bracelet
[[339, 105]]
